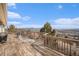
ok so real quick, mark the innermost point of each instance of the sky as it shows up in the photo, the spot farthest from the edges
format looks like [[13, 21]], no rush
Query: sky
[[35, 15]]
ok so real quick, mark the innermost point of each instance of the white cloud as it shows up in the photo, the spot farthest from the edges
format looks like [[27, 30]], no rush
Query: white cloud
[[65, 26], [26, 18], [14, 22], [67, 21], [17, 19], [60, 6], [29, 26], [63, 21], [13, 15], [12, 5]]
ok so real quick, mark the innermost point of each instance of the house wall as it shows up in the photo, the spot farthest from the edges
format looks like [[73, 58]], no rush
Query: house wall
[[3, 13]]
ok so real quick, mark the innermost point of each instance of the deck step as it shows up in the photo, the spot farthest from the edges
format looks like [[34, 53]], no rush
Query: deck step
[[47, 51]]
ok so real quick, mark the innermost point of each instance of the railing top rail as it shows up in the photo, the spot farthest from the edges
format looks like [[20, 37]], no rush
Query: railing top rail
[[69, 39], [61, 38]]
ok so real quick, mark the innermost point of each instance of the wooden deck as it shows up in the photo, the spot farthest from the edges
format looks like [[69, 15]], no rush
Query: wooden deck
[[25, 47], [16, 47]]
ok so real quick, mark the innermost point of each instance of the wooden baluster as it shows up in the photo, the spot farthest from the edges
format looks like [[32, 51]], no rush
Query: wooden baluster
[[52, 43], [67, 49], [44, 42], [64, 46], [60, 45], [57, 44], [70, 50], [47, 41]]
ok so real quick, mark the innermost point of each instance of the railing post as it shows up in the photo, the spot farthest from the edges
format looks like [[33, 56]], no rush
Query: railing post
[[74, 48], [77, 48]]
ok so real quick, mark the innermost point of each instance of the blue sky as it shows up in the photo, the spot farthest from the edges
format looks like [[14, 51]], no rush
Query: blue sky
[[35, 15]]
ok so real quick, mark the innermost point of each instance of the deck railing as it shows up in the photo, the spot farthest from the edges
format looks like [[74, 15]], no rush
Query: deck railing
[[66, 46], [63, 45]]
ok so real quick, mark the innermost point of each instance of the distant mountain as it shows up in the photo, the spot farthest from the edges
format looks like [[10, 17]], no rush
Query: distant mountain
[[31, 29], [58, 30], [69, 31]]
